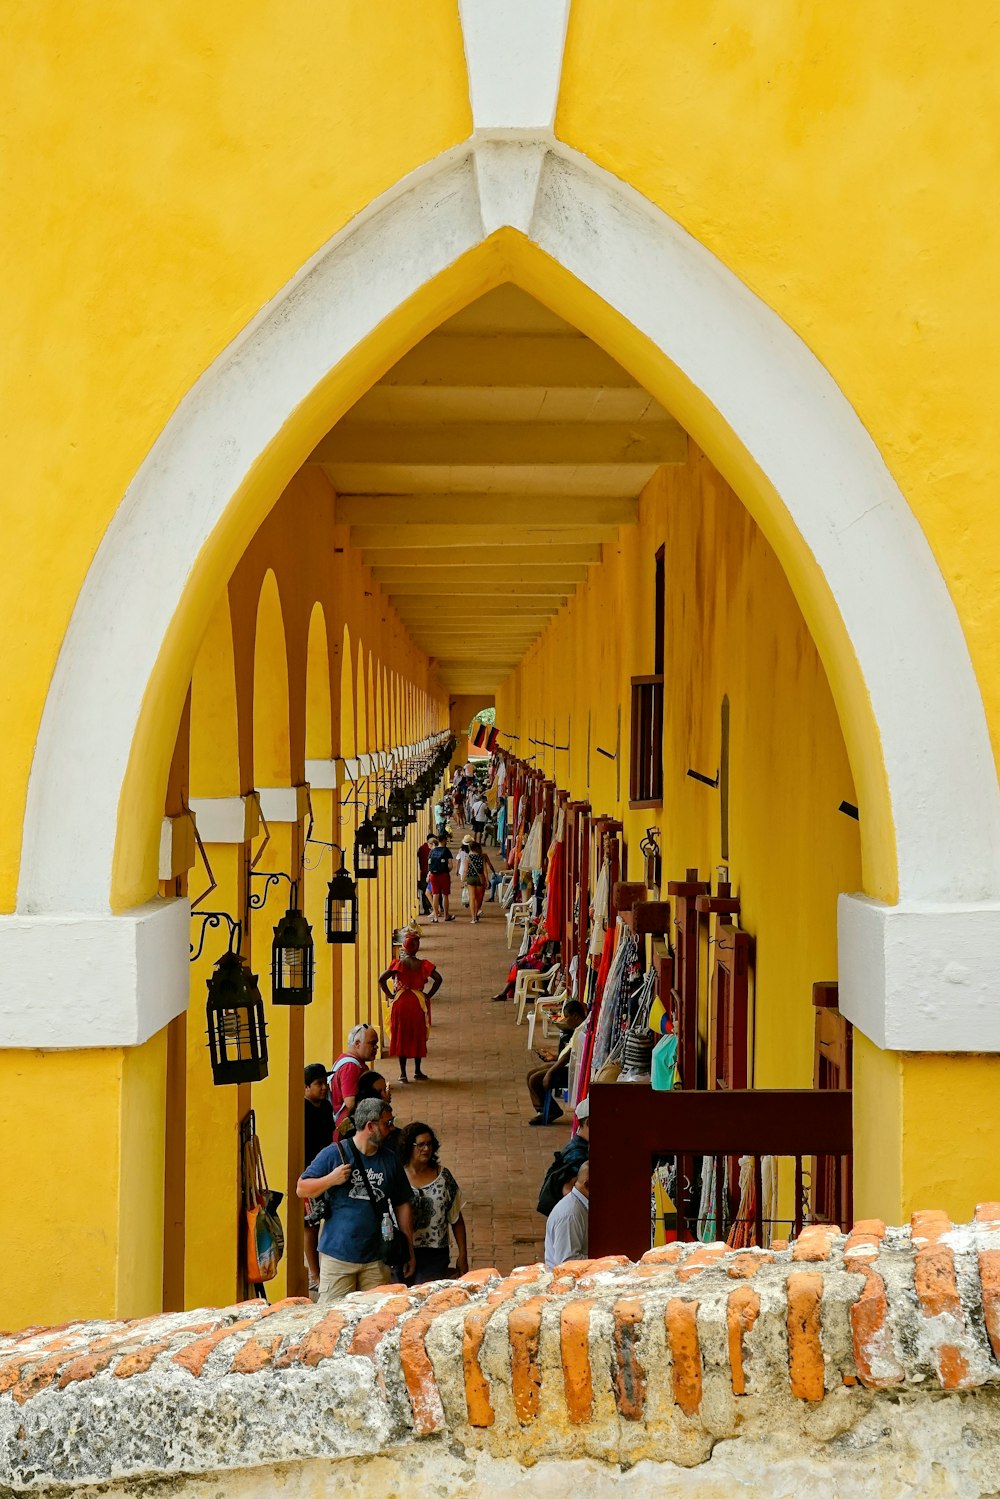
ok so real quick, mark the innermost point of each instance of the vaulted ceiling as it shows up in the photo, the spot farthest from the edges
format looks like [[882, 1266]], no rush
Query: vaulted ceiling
[[482, 475]]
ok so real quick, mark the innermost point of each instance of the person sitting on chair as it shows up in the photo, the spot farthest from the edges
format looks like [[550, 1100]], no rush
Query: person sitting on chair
[[553, 1074]]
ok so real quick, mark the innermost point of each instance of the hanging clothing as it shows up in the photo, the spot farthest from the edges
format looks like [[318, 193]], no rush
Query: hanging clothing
[[601, 907], [532, 854], [554, 903]]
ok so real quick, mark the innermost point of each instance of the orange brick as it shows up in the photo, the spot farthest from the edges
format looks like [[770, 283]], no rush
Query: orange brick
[[815, 1242], [700, 1259], [805, 1351], [318, 1343], [144, 1357], [478, 1277], [370, 1331], [194, 1356], [255, 1355], [874, 1359], [629, 1375], [988, 1212], [867, 1228], [742, 1311], [663, 1254], [685, 1353], [418, 1372], [477, 1390], [524, 1328], [989, 1275], [574, 1344], [929, 1224], [745, 1266], [937, 1292]]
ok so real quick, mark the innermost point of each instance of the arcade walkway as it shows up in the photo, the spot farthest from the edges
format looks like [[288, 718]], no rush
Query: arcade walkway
[[476, 1100]]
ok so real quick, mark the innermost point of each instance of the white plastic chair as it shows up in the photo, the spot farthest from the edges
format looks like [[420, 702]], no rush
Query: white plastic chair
[[518, 915], [546, 1010], [530, 984]]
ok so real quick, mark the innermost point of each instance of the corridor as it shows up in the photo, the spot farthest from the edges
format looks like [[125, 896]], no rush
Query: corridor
[[476, 1100]]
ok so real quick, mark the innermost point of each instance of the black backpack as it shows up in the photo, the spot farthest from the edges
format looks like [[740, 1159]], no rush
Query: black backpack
[[438, 861], [553, 1182]]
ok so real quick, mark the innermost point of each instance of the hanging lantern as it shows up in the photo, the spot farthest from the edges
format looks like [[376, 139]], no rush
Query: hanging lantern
[[342, 908], [382, 823], [398, 812], [366, 851], [292, 959], [410, 793], [237, 1032]]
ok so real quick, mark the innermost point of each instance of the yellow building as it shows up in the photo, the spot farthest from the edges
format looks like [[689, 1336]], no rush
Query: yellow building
[[362, 359]]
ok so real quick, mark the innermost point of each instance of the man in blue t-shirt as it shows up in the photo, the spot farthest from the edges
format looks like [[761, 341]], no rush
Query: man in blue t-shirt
[[350, 1240]]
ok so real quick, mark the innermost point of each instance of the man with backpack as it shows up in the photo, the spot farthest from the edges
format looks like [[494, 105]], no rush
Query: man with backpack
[[439, 878], [566, 1163], [368, 1220], [347, 1070]]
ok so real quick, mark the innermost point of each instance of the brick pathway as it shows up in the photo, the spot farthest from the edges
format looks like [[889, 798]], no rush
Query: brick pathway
[[476, 1100]]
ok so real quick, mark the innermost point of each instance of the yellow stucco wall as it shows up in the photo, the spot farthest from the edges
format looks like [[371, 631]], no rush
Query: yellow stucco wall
[[826, 156], [83, 1136], [166, 173]]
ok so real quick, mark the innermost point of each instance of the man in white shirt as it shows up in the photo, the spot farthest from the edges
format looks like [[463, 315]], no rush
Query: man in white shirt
[[567, 1227]]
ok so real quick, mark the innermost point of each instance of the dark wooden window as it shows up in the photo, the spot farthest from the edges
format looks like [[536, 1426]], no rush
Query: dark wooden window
[[646, 767]]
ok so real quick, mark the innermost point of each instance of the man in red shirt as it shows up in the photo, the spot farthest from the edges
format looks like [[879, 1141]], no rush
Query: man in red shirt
[[362, 1048]]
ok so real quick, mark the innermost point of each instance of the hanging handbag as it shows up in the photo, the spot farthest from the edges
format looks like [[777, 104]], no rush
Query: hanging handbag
[[265, 1236], [637, 1051], [394, 1248]]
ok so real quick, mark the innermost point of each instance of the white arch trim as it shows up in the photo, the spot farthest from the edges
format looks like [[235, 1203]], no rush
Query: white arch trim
[[781, 405]]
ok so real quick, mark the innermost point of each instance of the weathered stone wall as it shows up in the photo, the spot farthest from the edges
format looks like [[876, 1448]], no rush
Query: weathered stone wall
[[868, 1363]]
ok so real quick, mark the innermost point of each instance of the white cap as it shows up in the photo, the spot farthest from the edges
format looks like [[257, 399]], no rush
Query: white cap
[[583, 1109]]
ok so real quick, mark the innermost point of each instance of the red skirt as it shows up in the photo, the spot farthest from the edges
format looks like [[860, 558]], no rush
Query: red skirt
[[407, 1026]]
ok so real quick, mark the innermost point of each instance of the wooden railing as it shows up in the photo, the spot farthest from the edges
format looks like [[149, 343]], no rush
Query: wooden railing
[[632, 1127]]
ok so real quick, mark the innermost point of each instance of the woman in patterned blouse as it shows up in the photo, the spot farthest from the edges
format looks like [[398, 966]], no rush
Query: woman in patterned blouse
[[437, 1205]]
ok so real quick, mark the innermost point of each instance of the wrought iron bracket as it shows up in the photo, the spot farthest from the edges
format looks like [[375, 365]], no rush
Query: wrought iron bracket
[[215, 919], [271, 877]]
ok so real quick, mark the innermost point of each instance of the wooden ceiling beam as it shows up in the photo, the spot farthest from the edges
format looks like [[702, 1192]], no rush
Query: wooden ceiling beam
[[479, 533], [496, 444], [502, 512], [525, 562], [518, 359]]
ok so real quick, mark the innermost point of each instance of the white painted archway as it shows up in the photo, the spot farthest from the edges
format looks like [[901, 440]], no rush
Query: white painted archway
[[905, 971]]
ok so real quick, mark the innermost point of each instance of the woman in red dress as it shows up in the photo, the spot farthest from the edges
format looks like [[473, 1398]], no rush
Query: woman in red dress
[[410, 1012]]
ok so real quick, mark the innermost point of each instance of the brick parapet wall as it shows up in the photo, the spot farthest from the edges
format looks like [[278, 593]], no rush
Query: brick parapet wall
[[609, 1360]]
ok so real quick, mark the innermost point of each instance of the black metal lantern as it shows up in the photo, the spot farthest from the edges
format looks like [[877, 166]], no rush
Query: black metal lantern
[[399, 812], [382, 823], [366, 851], [237, 1031], [341, 907], [410, 793], [292, 959]]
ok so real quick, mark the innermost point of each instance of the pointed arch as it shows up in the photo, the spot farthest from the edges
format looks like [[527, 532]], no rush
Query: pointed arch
[[271, 739], [588, 246], [319, 704]]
